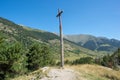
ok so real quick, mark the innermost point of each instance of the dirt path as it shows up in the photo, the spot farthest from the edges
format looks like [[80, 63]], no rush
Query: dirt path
[[61, 74]]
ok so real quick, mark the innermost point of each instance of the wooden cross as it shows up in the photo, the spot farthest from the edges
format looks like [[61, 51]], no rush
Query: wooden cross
[[61, 39]]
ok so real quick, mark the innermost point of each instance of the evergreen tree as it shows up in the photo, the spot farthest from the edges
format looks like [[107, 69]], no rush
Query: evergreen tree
[[12, 60], [112, 61], [84, 60], [34, 57], [39, 56]]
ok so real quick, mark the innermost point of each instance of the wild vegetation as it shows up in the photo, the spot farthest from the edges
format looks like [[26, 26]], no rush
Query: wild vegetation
[[24, 50], [112, 61], [96, 72], [15, 59]]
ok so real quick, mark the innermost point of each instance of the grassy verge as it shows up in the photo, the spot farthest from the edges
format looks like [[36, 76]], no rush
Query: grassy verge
[[96, 72]]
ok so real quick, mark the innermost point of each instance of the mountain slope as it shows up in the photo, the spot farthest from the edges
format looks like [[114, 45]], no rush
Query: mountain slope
[[94, 43], [13, 32]]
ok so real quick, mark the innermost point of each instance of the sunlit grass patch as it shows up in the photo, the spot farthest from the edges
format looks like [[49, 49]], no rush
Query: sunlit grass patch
[[96, 72]]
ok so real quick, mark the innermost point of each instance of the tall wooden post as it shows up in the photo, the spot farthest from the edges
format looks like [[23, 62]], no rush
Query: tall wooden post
[[61, 38]]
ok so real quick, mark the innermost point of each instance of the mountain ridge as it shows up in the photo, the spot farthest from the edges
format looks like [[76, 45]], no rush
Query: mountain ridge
[[94, 43]]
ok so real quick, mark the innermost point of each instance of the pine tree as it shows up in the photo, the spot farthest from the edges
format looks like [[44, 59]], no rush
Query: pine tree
[[12, 60], [39, 55]]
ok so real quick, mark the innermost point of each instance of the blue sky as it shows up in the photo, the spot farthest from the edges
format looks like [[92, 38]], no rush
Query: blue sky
[[95, 17]]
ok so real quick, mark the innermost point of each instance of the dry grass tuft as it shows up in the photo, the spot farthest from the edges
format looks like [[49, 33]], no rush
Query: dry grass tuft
[[96, 72], [31, 76]]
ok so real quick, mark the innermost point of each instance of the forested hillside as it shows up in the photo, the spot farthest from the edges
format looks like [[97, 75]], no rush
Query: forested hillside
[[24, 49], [13, 32]]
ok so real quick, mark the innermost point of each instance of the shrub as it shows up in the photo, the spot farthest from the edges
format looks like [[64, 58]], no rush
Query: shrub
[[112, 61], [39, 56], [12, 60], [84, 60]]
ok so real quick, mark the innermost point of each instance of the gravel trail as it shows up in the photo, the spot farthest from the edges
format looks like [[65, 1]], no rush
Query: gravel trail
[[61, 74]]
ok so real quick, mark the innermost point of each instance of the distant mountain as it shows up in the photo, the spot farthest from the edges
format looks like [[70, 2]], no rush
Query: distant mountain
[[94, 43]]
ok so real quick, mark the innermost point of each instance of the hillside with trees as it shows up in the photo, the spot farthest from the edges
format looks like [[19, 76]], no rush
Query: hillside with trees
[[24, 50]]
